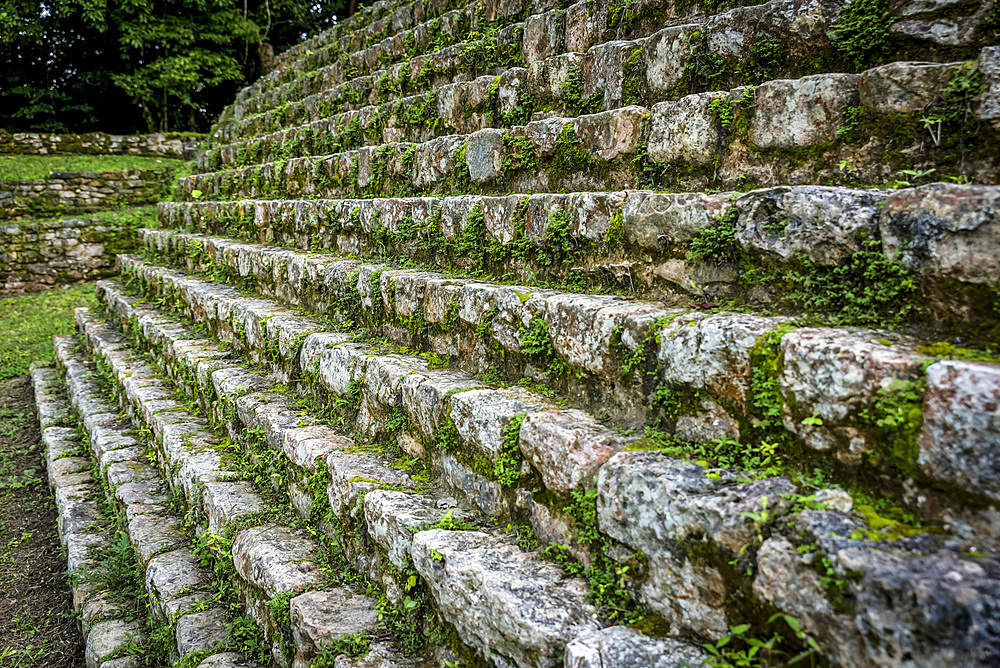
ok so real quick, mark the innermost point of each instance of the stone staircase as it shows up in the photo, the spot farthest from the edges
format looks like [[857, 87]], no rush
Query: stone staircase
[[523, 335]]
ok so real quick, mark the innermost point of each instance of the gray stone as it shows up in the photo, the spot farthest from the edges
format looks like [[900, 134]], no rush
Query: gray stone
[[903, 88], [833, 375], [200, 631], [105, 637], [826, 225], [480, 416], [172, 574], [500, 599], [484, 153], [665, 54], [792, 113], [623, 647], [276, 559], [567, 447], [223, 660], [321, 617], [960, 438], [945, 230], [647, 499], [989, 104], [684, 131], [610, 134], [711, 352], [665, 221]]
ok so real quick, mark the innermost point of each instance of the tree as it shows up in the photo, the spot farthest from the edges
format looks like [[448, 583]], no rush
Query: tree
[[139, 65]]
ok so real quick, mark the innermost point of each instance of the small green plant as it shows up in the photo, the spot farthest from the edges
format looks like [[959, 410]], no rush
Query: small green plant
[[861, 33]]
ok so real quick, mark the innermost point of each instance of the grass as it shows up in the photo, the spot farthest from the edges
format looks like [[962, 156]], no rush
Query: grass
[[28, 322], [39, 166], [141, 216]]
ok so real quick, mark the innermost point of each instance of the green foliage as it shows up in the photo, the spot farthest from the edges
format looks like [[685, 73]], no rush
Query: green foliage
[[861, 33], [721, 110], [767, 56], [896, 413], [850, 120], [869, 290], [353, 645], [766, 401], [538, 348], [449, 523], [741, 648], [518, 154], [507, 467], [951, 111], [718, 241], [572, 94], [138, 66], [703, 68], [39, 166]]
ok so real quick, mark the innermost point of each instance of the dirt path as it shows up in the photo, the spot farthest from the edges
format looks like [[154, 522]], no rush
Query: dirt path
[[37, 625]]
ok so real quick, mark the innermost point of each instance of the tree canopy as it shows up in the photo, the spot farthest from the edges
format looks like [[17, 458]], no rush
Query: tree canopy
[[139, 65]]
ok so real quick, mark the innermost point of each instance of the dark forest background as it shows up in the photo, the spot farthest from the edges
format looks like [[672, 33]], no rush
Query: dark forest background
[[135, 66]]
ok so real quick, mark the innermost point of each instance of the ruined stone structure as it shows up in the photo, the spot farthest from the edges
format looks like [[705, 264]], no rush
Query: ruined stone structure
[[157, 145], [525, 334], [39, 255], [72, 193]]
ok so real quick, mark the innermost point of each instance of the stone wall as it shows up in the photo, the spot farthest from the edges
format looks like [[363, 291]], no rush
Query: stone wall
[[69, 193], [158, 145], [40, 255]]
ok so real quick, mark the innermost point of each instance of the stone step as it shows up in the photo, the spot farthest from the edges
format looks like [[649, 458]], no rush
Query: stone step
[[681, 502], [391, 519], [723, 359], [174, 580], [644, 64], [271, 561], [394, 521], [642, 243], [692, 143]]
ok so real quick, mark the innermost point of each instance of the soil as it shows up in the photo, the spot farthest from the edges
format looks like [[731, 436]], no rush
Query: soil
[[37, 623]]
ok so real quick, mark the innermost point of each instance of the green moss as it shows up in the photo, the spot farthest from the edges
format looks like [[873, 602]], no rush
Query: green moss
[[507, 467], [518, 154], [896, 414], [572, 95], [538, 348], [860, 35], [718, 241]]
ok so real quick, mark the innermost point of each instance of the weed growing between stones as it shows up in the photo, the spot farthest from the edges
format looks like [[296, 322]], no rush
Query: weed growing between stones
[[860, 35]]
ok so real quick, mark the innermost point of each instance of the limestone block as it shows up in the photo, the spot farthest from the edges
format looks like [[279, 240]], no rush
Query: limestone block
[[665, 221], [201, 631], [711, 352], [944, 230], [826, 225], [648, 501], [960, 437], [484, 154], [684, 131], [544, 35], [320, 618], [275, 559], [792, 113], [567, 447], [623, 647], [610, 134], [903, 88], [834, 374], [500, 599], [665, 53]]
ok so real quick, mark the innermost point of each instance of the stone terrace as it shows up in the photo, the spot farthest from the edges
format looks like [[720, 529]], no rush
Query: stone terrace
[[527, 334]]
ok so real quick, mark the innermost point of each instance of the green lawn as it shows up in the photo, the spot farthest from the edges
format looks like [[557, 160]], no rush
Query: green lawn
[[39, 166], [139, 216], [28, 322]]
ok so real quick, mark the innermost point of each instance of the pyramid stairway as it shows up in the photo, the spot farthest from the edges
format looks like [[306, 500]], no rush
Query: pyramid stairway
[[529, 334]]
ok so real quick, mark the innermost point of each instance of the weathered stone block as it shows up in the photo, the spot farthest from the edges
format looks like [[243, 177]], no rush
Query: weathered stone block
[[684, 132], [792, 113], [960, 437]]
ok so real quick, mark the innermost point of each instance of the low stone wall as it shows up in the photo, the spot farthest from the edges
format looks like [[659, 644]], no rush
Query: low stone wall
[[65, 193], [40, 255], [158, 145]]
